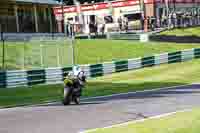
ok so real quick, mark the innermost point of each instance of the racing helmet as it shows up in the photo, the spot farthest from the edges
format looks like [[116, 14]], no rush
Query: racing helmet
[[76, 70], [70, 74]]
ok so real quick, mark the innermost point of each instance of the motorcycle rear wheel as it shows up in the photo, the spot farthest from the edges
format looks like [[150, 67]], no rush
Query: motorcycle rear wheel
[[66, 101], [77, 100]]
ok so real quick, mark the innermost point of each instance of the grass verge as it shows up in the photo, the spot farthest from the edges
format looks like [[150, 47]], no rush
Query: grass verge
[[184, 122], [98, 51], [141, 79]]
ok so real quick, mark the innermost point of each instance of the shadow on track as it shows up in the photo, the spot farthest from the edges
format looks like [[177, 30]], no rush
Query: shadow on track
[[96, 89], [183, 90], [187, 89], [73, 104]]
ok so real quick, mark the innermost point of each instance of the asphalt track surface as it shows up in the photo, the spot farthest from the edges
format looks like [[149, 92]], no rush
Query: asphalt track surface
[[98, 112]]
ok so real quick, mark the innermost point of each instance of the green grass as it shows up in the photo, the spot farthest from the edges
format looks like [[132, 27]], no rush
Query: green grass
[[86, 52], [192, 31], [184, 122], [141, 79], [98, 51]]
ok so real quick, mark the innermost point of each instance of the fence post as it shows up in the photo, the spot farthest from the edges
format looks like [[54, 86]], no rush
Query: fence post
[[41, 56], [3, 51], [58, 55], [24, 54], [72, 41]]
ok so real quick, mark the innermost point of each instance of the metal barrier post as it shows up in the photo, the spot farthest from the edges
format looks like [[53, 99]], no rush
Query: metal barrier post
[[24, 55], [73, 50], [58, 55], [41, 56], [3, 51]]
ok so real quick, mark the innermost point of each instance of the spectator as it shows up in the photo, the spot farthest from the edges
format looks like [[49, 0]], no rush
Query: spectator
[[90, 28], [96, 28], [198, 19], [71, 29], [153, 20], [191, 19], [164, 21], [178, 20], [184, 19], [126, 24], [120, 23], [103, 28], [195, 18], [187, 19], [67, 28], [174, 19], [170, 21], [148, 22], [142, 22]]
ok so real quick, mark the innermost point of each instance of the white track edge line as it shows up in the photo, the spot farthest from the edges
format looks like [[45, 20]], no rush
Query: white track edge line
[[137, 121]]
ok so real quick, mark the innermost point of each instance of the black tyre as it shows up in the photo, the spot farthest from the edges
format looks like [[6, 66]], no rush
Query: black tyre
[[67, 97], [77, 100], [66, 101]]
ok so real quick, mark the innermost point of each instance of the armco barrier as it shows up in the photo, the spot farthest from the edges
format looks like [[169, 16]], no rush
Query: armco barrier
[[10, 79]]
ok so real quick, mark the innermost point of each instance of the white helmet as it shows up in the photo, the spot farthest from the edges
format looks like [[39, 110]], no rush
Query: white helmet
[[76, 70], [70, 74]]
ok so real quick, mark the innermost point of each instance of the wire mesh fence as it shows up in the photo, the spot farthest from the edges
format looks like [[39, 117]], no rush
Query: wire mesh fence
[[36, 53]]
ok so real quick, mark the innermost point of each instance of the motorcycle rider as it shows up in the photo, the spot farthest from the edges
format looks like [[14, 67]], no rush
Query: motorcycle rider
[[77, 78]]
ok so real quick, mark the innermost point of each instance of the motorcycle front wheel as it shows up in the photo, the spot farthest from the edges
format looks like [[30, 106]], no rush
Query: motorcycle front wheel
[[67, 97]]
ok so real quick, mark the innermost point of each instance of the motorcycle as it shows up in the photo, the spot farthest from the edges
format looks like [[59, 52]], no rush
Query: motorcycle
[[73, 86]]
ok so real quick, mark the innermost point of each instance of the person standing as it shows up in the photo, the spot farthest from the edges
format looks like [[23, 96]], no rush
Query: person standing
[[120, 23], [148, 22], [142, 22], [170, 21], [126, 24], [152, 20], [184, 19], [165, 20], [96, 28], [90, 28], [174, 17], [103, 27], [67, 28], [178, 16]]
